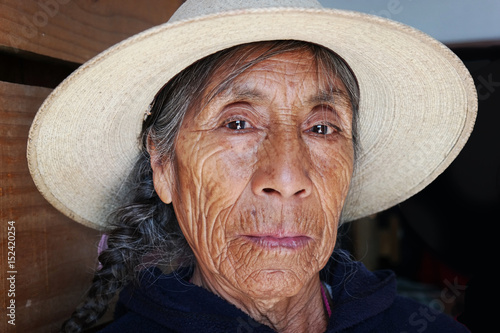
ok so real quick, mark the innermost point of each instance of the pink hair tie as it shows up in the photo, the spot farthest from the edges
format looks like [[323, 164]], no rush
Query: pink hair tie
[[325, 300], [103, 245]]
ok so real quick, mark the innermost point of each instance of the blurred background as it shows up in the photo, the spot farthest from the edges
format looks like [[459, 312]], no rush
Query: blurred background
[[442, 243]]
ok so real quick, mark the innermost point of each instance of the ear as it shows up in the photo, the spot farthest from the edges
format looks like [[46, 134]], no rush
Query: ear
[[162, 175]]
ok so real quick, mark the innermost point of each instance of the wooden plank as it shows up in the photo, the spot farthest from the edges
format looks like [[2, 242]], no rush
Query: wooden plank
[[54, 256], [76, 30]]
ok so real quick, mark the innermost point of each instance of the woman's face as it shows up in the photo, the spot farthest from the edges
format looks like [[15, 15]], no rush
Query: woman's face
[[261, 174]]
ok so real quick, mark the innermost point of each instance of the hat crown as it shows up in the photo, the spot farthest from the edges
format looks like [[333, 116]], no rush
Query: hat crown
[[194, 8]]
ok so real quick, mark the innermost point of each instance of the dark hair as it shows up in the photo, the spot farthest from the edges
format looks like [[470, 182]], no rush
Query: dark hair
[[145, 232]]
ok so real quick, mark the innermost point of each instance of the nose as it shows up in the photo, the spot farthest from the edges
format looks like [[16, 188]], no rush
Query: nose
[[283, 168]]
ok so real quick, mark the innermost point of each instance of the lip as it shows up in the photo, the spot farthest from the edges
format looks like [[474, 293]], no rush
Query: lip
[[274, 242]]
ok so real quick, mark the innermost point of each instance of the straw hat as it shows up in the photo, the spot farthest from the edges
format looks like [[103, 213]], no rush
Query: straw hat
[[417, 109]]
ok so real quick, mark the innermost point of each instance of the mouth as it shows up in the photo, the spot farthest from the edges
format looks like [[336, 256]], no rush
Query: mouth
[[274, 242]]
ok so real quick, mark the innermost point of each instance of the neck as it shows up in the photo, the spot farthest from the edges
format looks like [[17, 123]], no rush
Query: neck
[[303, 312]]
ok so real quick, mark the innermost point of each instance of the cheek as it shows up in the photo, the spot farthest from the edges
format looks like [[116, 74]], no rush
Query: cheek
[[212, 175], [332, 173], [332, 176], [228, 171]]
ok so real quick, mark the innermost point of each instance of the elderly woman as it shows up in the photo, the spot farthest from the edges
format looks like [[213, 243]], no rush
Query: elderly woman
[[275, 126]]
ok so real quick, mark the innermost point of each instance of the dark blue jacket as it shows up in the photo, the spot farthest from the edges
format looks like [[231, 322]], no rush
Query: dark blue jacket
[[362, 302]]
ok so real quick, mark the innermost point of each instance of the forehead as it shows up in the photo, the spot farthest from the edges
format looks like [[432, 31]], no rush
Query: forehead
[[293, 70], [245, 72]]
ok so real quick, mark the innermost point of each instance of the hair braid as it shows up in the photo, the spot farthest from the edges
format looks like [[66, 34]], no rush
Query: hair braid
[[145, 233]]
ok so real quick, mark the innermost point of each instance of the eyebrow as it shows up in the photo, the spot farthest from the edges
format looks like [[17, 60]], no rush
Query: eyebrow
[[242, 92], [331, 96]]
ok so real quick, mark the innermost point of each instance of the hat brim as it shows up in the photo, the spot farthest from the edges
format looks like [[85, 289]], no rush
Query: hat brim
[[417, 109]]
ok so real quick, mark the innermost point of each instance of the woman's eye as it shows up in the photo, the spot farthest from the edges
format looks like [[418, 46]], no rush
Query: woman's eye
[[322, 129], [237, 125]]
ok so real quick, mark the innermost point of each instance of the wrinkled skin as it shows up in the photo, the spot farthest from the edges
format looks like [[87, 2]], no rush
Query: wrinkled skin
[[258, 183]]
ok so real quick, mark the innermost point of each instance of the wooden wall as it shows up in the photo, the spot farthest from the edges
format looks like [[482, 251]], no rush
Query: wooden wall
[[41, 42]]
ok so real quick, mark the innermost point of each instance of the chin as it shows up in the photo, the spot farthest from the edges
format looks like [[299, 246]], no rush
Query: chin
[[270, 272], [268, 284]]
